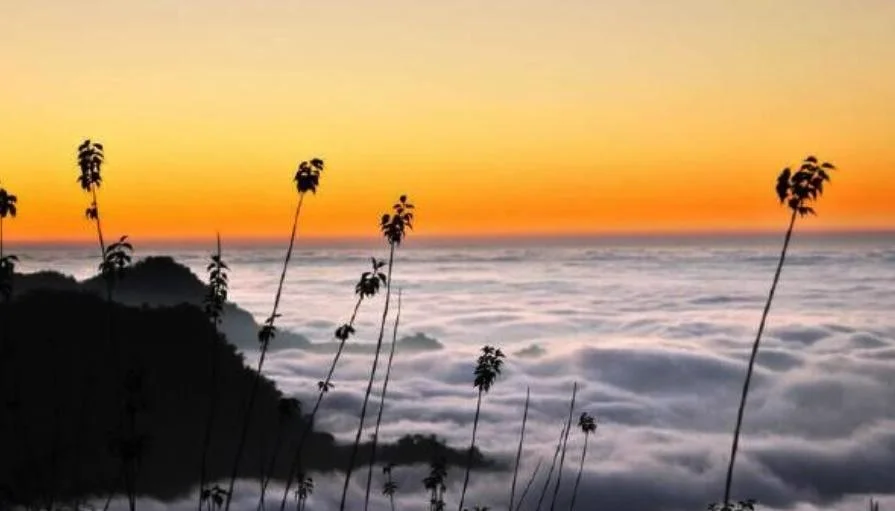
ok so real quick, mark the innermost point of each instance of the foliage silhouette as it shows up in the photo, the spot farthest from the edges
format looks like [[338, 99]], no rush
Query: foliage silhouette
[[367, 287], [519, 450], [390, 487], [436, 483], [213, 497], [394, 229], [303, 491], [798, 190], [306, 179], [8, 208], [215, 299], [587, 424], [91, 157], [565, 444], [487, 369]]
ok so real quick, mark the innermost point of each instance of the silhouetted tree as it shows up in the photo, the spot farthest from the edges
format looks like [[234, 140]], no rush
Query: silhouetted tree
[[797, 190], [215, 298], [436, 483], [394, 229], [213, 498], [487, 369], [390, 487], [519, 450], [306, 179], [587, 424], [303, 491], [7, 209], [367, 287], [388, 372], [565, 444], [91, 157]]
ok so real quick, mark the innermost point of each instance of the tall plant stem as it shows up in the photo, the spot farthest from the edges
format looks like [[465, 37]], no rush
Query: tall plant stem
[[296, 460], [257, 379], [212, 402], [388, 372], [531, 481], [580, 471], [552, 468], [363, 411], [519, 450], [565, 444], [752, 357], [475, 427]]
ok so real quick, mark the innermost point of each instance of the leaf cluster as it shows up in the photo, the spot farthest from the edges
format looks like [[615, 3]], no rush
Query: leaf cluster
[[798, 189]]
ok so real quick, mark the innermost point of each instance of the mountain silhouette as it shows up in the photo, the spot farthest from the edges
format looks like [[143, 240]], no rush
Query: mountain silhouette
[[62, 343]]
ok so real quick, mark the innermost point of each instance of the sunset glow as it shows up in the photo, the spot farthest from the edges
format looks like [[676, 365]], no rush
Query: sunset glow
[[495, 117]]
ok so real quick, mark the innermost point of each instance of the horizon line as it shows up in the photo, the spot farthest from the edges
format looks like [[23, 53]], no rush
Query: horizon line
[[438, 239]]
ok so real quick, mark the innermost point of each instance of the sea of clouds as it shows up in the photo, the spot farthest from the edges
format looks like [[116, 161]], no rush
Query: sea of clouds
[[657, 336]]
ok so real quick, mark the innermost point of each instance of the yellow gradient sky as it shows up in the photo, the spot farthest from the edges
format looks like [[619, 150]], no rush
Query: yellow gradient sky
[[496, 116]]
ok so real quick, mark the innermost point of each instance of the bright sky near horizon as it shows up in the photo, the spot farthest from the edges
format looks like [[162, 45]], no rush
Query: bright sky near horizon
[[522, 116]]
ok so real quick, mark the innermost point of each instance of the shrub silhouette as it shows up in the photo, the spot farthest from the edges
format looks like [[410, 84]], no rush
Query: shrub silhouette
[[798, 190], [306, 179], [394, 229], [487, 369]]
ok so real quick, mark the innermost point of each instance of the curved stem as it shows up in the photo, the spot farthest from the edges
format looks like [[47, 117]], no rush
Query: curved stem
[[475, 427], [580, 470], [363, 411], [388, 372], [212, 401], [273, 316], [752, 357], [296, 460], [552, 468], [519, 450], [565, 443], [531, 480]]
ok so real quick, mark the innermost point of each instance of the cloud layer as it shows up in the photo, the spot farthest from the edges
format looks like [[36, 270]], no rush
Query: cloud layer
[[657, 338]]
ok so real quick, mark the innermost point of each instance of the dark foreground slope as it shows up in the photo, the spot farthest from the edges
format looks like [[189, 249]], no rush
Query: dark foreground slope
[[57, 350]]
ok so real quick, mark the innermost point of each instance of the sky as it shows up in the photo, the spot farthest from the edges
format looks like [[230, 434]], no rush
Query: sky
[[496, 117]]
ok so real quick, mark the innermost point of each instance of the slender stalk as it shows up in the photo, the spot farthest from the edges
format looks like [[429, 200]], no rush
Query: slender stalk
[[475, 427], [251, 403], [580, 471], [363, 412], [565, 443], [296, 460], [531, 480], [752, 357], [552, 468], [388, 372], [212, 401], [519, 450]]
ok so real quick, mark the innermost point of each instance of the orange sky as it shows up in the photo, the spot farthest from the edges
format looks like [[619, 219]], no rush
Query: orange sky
[[523, 116]]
